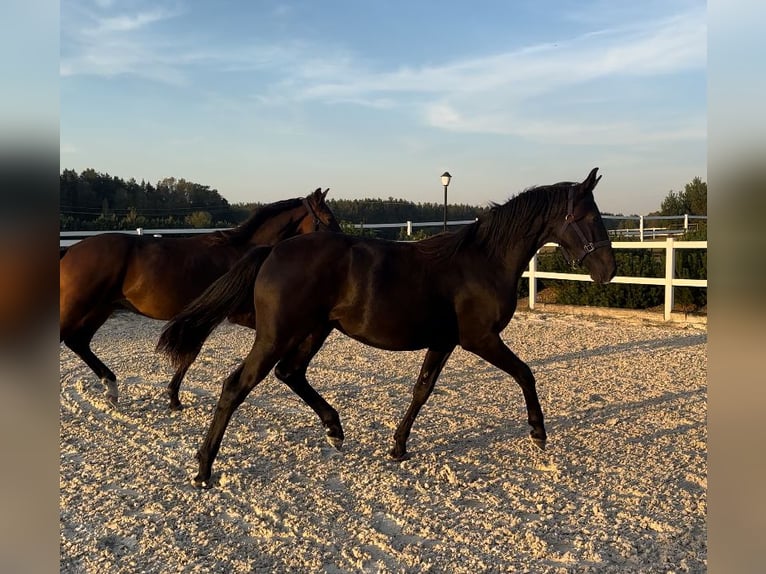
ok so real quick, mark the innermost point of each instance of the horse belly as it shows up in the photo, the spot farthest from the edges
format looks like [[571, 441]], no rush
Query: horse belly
[[396, 328], [160, 280]]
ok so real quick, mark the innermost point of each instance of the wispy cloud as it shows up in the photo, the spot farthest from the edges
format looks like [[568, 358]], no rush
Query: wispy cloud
[[496, 93], [130, 22], [68, 148], [488, 94], [102, 41], [98, 41]]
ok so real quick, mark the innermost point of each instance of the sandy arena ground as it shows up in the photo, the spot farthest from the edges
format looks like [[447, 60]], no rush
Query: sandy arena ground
[[620, 488]]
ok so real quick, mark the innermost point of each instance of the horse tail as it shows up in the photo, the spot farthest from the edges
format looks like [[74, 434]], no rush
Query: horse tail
[[182, 338]]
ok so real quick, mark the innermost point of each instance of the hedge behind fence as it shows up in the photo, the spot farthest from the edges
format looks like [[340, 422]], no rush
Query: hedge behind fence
[[690, 264]]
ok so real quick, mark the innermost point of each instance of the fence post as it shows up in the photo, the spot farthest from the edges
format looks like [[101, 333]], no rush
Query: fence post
[[139, 230], [409, 228], [532, 281], [670, 273], [686, 222], [641, 227]]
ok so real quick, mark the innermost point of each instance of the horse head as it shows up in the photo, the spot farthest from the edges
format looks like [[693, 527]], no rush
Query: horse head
[[318, 214], [582, 235]]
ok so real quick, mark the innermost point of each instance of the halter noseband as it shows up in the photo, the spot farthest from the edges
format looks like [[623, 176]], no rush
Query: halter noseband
[[317, 221], [587, 246]]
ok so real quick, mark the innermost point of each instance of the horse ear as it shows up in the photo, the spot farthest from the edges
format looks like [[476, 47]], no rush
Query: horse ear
[[590, 182], [317, 193], [325, 193]]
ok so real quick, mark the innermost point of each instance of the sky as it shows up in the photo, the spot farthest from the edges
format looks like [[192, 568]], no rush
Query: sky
[[265, 100]]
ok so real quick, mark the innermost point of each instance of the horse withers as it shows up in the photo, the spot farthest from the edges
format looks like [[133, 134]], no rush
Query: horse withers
[[158, 276], [451, 289]]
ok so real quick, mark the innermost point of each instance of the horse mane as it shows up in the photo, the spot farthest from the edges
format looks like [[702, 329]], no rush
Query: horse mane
[[493, 231], [244, 231]]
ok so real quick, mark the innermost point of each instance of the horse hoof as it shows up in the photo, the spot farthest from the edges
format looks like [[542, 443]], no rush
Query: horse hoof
[[335, 442], [198, 482], [111, 400], [539, 442], [176, 407], [397, 455]]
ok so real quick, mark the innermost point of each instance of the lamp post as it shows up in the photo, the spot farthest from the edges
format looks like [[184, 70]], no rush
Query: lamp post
[[445, 182]]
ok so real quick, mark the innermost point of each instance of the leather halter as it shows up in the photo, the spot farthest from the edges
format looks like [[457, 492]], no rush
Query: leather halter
[[317, 221], [587, 246]]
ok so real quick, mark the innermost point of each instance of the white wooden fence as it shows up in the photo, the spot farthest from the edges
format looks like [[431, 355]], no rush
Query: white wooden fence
[[69, 238], [685, 223], [669, 281]]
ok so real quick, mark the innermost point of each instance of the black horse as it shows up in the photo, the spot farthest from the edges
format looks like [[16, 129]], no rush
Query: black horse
[[451, 289], [158, 277]]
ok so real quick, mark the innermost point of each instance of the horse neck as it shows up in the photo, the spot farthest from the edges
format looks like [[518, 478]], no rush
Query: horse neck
[[518, 253], [276, 228], [531, 228]]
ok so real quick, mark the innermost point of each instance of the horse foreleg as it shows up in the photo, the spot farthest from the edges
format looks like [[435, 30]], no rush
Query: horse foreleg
[[81, 347], [493, 350], [429, 372], [78, 325], [235, 388]]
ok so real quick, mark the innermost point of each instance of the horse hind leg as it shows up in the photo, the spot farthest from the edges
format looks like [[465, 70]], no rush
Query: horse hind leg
[[175, 385], [291, 370], [432, 366]]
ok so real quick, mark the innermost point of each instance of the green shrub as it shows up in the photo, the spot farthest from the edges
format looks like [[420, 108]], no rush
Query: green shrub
[[691, 264], [639, 263]]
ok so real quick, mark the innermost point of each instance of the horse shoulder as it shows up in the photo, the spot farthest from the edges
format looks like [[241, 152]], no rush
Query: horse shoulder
[[484, 302]]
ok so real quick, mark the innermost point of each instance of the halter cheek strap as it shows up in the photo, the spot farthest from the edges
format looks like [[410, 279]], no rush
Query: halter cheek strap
[[317, 221], [587, 246]]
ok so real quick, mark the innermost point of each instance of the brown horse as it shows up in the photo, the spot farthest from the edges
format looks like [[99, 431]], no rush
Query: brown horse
[[451, 289], [158, 277]]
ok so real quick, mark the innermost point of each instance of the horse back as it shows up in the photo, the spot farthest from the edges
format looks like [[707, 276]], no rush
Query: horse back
[[97, 262], [156, 277], [163, 275], [91, 273], [383, 293]]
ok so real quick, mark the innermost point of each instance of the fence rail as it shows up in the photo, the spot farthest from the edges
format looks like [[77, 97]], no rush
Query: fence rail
[[668, 245], [69, 238], [669, 281], [685, 224]]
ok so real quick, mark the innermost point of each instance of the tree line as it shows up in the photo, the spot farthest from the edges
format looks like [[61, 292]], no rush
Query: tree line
[[91, 200], [692, 200], [98, 201]]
